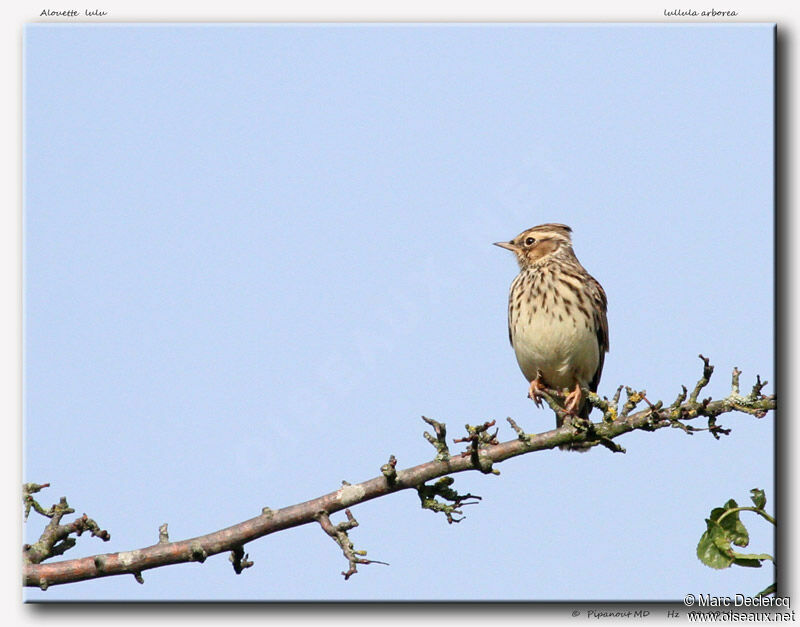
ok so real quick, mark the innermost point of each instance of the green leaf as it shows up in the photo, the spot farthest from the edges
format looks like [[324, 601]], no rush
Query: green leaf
[[713, 549], [735, 531], [748, 561], [758, 497], [724, 529]]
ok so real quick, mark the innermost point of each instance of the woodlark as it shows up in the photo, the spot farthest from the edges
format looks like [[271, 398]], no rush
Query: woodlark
[[556, 317]]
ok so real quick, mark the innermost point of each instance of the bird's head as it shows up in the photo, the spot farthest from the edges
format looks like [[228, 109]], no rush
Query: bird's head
[[540, 242]]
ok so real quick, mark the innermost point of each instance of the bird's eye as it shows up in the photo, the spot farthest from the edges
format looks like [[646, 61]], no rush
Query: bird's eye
[[529, 241]]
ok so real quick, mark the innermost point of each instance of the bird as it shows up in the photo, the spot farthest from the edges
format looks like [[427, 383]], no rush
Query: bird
[[557, 319]]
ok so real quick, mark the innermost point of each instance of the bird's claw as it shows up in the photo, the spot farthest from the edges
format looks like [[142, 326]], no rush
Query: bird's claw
[[535, 392], [573, 401]]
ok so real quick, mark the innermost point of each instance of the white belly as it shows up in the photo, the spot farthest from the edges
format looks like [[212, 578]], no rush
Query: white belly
[[565, 351]]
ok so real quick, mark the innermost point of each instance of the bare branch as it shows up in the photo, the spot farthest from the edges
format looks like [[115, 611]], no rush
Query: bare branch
[[483, 452], [339, 535], [56, 538]]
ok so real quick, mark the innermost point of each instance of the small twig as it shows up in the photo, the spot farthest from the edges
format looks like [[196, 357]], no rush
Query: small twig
[[611, 445], [634, 398], [339, 535], [609, 410], [55, 540], [708, 370], [428, 493], [389, 470], [479, 439], [755, 393], [478, 435], [675, 407], [29, 502], [615, 398], [655, 416], [735, 381], [715, 429], [59, 548], [440, 441], [520, 433], [239, 559]]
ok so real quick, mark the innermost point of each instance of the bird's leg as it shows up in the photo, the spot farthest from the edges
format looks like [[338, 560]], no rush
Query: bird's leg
[[535, 391], [572, 403]]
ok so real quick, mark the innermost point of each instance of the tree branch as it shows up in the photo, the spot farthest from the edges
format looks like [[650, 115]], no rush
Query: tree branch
[[339, 535], [482, 453]]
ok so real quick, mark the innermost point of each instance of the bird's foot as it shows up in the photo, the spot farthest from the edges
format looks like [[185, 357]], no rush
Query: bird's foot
[[535, 391], [572, 403]]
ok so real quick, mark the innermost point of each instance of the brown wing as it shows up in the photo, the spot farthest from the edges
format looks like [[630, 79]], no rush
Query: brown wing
[[601, 324]]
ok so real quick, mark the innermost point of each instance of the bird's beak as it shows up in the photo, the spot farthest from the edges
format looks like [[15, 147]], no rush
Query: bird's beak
[[507, 246]]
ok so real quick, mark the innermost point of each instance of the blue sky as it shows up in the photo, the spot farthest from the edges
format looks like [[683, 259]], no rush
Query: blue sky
[[255, 255]]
